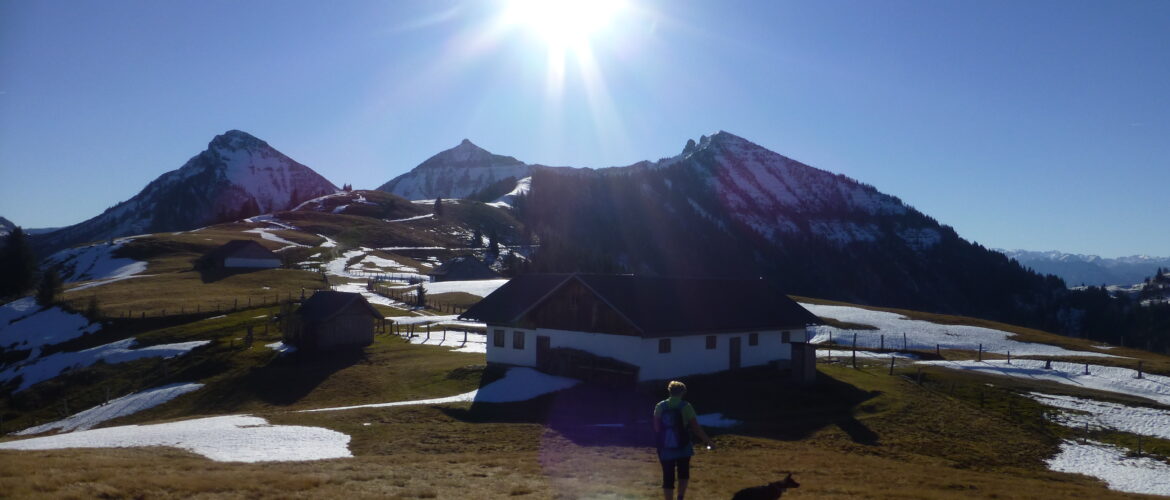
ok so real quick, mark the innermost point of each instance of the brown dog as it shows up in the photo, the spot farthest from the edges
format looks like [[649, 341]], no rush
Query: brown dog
[[770, 491]]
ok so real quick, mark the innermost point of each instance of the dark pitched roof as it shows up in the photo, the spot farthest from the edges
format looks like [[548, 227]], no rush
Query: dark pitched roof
[[657, 306], [325, 304], [249, 249], [515, 297]]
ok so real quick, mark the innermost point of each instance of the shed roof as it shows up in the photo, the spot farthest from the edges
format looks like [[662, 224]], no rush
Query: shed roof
[[325, 304], [656, 306]]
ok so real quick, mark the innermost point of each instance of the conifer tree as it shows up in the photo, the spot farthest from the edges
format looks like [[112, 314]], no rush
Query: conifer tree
[[49, 288], [422, 295], [438, 207], [493, 243], [18, 265], [476, 238]]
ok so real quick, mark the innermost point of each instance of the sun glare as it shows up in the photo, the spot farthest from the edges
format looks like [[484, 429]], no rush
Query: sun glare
[[564, 24]]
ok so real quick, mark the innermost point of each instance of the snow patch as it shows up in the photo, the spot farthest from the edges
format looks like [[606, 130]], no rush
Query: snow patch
[[1102, 415], [1112, 465], [480, 288], [1103, 378], [233, 438], [518, 384], [45, 368], [924, 335], [123, 406], [23, 326]]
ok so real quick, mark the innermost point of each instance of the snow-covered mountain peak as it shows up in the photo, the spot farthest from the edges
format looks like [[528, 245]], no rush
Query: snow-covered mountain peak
[[237, 176], [234, 140], [468, 155], [456, 173]]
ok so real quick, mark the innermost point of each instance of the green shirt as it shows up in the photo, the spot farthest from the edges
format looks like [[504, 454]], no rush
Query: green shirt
[[673, 402]]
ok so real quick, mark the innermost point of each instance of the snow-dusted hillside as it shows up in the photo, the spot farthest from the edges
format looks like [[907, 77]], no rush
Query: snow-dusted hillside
[[456, 173], [237, 176]]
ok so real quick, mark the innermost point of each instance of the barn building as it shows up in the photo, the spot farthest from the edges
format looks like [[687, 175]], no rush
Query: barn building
[[241, 254], [463, 268], [636, 328], [332, 320]]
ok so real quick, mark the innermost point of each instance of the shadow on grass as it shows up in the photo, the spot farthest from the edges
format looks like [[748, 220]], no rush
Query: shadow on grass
[[764, 404], [283, 381]]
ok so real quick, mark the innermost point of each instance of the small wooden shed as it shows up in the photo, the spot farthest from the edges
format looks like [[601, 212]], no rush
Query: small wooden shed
[[241, 254], [332, 320]]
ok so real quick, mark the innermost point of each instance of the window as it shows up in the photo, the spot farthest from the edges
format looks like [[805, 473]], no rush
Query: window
[[663, 346], [518, 340], [785, 337], [710, 341], [753, 339], [498, 338]]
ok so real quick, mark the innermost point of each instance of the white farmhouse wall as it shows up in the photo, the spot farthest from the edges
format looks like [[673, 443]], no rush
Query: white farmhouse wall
[[688, 354], [253, 263], [509, 355]]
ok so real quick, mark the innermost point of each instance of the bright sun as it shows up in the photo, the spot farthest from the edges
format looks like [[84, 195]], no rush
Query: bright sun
[[564, 24]]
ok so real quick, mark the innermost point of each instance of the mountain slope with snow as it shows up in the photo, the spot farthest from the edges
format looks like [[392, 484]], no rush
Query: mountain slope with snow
[[456, 173], [237, 176]]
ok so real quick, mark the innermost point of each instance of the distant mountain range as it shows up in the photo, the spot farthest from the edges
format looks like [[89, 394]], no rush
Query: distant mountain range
[[237, 176], [1077, 269], [727, 206], [722, 206]]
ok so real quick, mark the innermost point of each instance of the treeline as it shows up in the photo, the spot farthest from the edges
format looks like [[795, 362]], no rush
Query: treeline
[[671, 222]]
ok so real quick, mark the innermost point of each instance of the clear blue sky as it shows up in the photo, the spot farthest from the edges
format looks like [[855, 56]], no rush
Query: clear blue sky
[[1037, 125]]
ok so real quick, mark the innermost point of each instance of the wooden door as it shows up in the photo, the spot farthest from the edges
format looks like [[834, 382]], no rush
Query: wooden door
[[734, 349]]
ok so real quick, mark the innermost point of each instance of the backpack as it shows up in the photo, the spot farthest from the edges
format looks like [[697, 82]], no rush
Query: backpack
[[673, 432]]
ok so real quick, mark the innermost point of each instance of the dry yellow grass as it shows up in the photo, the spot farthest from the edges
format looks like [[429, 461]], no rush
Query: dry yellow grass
[[423, 452]]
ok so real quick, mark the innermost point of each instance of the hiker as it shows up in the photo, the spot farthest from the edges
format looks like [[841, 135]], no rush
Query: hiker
[[674, 422]]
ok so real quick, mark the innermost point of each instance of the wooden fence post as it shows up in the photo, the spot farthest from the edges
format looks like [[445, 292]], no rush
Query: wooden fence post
[[980, 353], [891, 365], [855, 350], [882, 347], [1139, 376], [904, 344]]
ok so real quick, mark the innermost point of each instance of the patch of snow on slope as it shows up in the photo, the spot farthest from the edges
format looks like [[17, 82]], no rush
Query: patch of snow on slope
[[24, 326], [1102, 378], [266, 233], [234, 438], [1110, 464], [125, 405], [923, 335], [1102, 415], [481, 288], [522, 187], [518, 384], [845, 352], [95, 262], [45, 368], [417, 217]]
